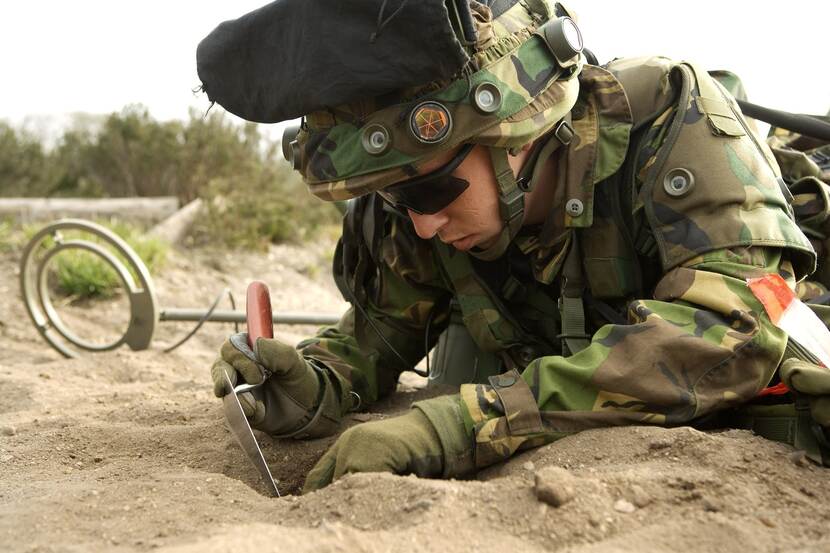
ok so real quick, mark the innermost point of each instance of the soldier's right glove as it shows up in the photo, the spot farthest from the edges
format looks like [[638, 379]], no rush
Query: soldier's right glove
[[812, 382], [430, 440], [296, 399], [402, 445]]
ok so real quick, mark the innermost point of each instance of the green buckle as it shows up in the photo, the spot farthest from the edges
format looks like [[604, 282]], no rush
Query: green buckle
[[512, 205]]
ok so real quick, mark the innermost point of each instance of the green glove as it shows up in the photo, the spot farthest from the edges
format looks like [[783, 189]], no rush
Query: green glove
[[407, 444], [295, 399], [813, 382]]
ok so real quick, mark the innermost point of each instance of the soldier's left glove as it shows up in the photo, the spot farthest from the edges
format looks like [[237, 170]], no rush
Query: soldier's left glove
[[428, 441]]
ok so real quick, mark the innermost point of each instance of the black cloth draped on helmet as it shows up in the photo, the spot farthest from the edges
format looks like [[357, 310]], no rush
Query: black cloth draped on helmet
[[292, 57]]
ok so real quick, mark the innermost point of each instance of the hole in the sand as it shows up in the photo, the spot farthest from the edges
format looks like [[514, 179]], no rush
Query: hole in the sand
[[289, 461]]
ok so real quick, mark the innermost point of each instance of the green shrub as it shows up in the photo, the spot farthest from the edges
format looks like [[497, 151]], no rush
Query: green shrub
[[13, 235], [251, 195], [23, 162], [272, 206], [80, 274], [6, 240]]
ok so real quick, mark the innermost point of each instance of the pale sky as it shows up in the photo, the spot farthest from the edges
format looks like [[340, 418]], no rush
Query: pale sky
[[95, 56]]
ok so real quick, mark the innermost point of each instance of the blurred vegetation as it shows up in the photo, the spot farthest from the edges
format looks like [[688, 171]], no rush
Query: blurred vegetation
[[78, 274], [7, 242], [251, 196]]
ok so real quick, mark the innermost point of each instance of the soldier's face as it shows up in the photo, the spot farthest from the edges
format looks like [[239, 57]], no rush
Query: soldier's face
[[473, 218]]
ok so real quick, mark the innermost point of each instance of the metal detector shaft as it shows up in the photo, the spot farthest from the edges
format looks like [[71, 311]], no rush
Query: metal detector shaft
[[228, 316]]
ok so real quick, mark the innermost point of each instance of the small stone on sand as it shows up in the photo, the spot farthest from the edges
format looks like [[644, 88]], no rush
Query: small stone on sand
[[554, 486], [624, 506]]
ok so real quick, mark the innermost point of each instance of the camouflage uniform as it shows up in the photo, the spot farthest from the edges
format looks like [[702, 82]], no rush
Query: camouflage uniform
[[805, 166], [675, 334], [628, 304]]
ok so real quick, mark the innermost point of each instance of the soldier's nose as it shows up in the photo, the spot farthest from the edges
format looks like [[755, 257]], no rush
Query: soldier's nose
[[427, 226]]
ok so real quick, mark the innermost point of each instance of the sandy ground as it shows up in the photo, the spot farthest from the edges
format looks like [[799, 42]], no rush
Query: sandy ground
[[128, 451]]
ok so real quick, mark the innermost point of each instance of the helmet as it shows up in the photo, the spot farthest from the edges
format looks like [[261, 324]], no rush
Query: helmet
[[519, 84]]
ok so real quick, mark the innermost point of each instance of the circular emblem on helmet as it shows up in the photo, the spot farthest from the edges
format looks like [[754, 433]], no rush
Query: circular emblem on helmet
[[430, 122], [376, 139], [487, 98]]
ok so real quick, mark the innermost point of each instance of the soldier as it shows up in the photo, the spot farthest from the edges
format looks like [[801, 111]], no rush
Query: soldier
[[579, 235]]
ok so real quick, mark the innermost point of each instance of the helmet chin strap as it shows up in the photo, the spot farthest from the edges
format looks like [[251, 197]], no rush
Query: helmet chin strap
[[511, 205], [512, 193]]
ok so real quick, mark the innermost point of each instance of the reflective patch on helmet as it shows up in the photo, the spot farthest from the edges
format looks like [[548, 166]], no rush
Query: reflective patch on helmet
[[430, 122]]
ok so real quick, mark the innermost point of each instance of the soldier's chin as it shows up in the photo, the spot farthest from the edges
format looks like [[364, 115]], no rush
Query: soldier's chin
[[476, 242], [465, 243]]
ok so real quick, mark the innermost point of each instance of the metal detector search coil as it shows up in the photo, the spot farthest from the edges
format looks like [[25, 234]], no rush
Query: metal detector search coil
[[145, 312]]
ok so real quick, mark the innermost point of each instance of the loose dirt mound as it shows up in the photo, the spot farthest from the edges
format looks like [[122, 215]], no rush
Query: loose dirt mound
[[129, 451]]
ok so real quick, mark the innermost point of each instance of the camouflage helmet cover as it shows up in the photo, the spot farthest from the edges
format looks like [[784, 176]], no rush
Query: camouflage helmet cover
[[355, 149]]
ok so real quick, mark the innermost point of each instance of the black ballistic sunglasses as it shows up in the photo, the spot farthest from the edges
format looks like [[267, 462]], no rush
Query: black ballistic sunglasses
[[430, 193]]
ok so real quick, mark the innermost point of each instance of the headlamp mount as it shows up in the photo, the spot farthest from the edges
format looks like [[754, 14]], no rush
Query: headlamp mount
[[290, 146], [564, 40]]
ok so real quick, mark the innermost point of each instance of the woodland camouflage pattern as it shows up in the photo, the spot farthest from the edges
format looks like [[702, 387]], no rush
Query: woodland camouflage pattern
[[536, 95], [805, 167], [688, 338]]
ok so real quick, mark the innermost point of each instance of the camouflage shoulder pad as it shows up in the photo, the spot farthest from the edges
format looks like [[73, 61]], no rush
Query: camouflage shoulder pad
[[731, 82], [712, 184], [646, 83]]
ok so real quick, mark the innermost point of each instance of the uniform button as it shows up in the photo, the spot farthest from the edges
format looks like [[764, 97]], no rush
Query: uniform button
[[574, 207], [678, 182], [506, 380]]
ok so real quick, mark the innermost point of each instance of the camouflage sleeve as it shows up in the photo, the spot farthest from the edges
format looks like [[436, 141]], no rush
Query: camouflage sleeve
[[405, 299], [702, 344], [807, 174]]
